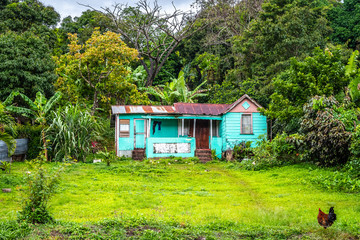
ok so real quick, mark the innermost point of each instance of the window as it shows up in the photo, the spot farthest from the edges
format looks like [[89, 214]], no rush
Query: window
[[215, 128], [246, 124], [187, 127], [124, 128]]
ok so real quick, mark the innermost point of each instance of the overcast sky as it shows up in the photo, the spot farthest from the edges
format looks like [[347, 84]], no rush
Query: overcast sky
[[72, 8]]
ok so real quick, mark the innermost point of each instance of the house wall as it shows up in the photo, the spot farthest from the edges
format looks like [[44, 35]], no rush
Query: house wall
[[126, 144], [169, 128], [240, 107], [168, 147], [232, 132], [216, 144]]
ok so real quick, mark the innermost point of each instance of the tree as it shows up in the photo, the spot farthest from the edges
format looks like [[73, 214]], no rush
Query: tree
[[38, 111], [25, 65], [344, 20], [320, 74], [284, 29], [176, 91], [154, 34], [226, 19], [29, 16], [100, 67], [83, 26]]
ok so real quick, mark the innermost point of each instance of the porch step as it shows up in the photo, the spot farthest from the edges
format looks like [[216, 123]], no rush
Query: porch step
[[204, 155], [138, 154]]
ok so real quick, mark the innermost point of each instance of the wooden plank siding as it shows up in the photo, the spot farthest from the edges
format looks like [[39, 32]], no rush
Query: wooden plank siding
[[232, 129]]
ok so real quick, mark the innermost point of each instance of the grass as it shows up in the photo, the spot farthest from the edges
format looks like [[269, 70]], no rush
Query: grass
[[214, 200]]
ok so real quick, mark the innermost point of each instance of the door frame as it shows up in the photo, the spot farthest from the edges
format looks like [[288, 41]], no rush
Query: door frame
[[196, 135], [143, 133]]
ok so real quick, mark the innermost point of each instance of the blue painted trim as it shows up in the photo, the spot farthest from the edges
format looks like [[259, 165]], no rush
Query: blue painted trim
[[184, 117]]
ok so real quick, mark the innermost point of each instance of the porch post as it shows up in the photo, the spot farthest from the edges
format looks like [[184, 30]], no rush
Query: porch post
[[116, 134], [182, 127], [210, 132], [194, 127], [149, 127]]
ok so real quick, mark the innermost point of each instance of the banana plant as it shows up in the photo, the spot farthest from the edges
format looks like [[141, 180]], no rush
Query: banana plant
[[176, 91], [37, 110], [352, 71]]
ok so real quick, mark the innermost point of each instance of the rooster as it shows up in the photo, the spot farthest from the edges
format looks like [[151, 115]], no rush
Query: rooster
[[326, 220]]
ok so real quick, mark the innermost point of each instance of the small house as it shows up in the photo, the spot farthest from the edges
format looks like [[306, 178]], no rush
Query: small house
[[186, 129]]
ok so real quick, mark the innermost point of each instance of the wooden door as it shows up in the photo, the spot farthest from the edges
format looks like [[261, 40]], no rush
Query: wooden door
[[202, 132]]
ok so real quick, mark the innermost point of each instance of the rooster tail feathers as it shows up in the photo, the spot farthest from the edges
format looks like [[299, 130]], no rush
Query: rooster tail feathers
[[332, 215]]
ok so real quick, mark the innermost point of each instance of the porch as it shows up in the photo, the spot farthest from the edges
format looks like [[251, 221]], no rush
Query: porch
[[178, 136]]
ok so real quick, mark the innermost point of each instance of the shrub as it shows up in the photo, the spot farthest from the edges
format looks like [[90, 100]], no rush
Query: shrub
[[107, 157], [283, 149], [326, 138], [355, 143], [41, 184], [242, 150], [72, 131]]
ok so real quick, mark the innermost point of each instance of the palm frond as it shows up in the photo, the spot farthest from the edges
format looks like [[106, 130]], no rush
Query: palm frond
[[351, 67], [10, 98], [52, 101], [31, 104], [21, 111]]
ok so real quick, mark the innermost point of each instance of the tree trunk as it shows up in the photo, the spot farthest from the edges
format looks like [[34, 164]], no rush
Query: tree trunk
[[44, 143], [95, 103]]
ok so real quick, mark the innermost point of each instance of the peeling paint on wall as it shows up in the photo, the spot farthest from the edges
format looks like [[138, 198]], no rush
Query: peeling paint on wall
[[172, 147]]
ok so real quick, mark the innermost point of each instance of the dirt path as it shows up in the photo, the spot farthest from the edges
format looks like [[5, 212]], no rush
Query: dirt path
[[241, 182]]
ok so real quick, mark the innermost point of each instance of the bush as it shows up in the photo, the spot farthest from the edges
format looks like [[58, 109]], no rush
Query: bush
[[283, 149], [326, 137], [41, 184], [355, 144], [107, 157], [72, 131], [242, 150]]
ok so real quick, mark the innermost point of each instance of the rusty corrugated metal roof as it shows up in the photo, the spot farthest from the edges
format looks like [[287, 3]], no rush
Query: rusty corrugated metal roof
[[128, 109], [181, 108], [200, 108]]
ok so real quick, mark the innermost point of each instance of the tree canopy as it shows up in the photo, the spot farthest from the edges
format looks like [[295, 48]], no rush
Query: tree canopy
[[99, 65], [26, 65]]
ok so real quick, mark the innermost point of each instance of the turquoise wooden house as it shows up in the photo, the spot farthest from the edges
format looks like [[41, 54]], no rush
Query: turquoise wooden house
[[186, 129]]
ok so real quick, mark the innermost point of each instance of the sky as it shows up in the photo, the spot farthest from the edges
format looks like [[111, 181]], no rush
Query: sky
[[72, 8]]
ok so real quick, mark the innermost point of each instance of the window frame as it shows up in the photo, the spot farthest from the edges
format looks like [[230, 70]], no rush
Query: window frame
[[251, 124], [216, 128], [124, 134]]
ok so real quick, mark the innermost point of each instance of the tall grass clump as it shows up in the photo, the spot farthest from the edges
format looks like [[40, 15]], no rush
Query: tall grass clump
[[72, 131]]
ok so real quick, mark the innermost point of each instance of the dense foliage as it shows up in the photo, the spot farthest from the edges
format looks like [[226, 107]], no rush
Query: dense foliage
[[344, 20], [325, 135], [25, 65], [71, 132], [323, 73]]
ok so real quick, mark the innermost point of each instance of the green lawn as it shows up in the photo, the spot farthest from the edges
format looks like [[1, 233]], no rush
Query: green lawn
[[213, 196]]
